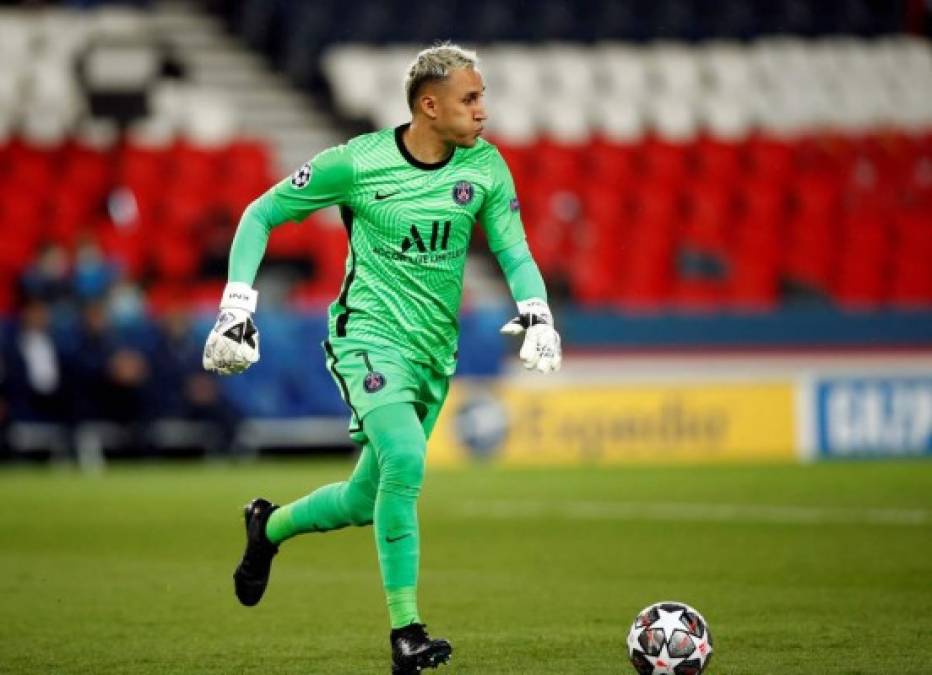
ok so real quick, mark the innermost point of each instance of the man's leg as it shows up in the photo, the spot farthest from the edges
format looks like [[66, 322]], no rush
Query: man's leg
[[332, 506], [395, 433]]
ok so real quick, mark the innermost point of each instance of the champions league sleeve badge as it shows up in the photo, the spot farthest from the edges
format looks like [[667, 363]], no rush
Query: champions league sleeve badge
[[301, 177]]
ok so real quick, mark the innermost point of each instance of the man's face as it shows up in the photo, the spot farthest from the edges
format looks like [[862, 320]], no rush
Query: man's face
[[459, 107]]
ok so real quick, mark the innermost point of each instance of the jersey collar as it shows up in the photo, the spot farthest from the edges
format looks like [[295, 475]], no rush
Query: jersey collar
[[411, 159]]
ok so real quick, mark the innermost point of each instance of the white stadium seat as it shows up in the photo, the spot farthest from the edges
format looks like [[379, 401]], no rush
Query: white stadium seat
[[564, 121], [783, 85], [43, 127], [727, 67], [511, 120], [209, 119], [352, 78], [725, 117], [566, 71], [673, 118], [622, 70], [619, 119], [675, 70], [513, 69]]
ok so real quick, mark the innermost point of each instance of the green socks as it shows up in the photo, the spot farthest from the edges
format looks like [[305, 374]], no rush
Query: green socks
[[402, 606], [332, 506]]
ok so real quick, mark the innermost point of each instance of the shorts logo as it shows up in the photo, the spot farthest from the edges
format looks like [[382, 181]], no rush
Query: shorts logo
[[301, 177], [463, 192], [373, 382], [514, 205]]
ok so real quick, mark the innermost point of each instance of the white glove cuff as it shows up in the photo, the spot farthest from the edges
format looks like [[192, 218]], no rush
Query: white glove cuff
[[536, 306], [238, 295]]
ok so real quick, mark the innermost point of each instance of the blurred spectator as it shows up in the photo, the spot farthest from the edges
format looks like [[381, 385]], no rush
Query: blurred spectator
[[126, 303], [182, 389], [35, 379], [93, 274], [48, 278], [112, 377], [4, 410]]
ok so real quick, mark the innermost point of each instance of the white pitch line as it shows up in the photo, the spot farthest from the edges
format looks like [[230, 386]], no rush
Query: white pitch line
[[692, 512]]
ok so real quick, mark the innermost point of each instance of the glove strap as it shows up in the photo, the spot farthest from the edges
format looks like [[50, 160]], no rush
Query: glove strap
[[238, 295], [534, 311]]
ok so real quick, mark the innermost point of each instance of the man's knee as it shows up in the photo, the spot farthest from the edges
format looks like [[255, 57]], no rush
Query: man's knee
[[359, 498], [403, 472]]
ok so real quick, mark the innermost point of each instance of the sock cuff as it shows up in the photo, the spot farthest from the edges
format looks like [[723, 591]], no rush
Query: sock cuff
[[402, 606]]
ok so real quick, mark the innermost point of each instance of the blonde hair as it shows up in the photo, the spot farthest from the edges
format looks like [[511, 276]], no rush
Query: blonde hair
[[433, 65]]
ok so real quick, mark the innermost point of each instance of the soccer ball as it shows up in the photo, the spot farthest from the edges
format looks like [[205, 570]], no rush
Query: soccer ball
[[669, 638]]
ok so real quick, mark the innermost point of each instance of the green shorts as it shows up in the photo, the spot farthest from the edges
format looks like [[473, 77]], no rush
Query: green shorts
[[369, 376]]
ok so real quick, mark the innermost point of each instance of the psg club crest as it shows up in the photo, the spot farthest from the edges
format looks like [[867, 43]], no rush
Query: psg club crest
[[301, 177], [463, 192], [373, 382]]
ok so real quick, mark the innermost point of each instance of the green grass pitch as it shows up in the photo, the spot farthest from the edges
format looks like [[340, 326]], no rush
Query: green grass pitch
[[818, 569]]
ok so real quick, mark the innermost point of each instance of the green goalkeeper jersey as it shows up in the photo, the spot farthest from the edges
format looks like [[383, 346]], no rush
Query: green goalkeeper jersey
[[409, 226]]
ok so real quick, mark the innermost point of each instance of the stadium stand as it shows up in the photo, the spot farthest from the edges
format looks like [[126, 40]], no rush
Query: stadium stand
[[723, 175], [672, 157]]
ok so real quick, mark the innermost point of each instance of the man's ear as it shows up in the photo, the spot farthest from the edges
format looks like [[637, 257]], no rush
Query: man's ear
[[428, 105]]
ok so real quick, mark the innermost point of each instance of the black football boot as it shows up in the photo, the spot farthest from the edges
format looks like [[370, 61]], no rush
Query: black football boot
[[413, 650], [252, 573]]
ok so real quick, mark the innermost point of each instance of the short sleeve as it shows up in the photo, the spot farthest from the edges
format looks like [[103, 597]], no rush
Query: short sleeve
[[323, 181], [500, 214]]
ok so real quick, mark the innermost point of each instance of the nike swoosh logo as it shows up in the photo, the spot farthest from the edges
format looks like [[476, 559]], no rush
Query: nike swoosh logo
[[380, 196], [392, 540]]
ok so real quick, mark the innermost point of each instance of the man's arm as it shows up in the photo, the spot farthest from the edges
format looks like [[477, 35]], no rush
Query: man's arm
[[233, 344], [321, 182], [521, 272], [500, 216]]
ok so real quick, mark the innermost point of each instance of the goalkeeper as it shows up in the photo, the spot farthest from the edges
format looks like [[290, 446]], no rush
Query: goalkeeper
[[409, 198]]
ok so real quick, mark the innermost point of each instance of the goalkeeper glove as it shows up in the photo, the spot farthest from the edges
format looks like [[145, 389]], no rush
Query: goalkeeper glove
[[541, 348], [233, 343]]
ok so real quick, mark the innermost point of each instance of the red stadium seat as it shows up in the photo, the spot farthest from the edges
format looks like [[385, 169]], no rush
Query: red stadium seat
[[771, 160], [248, 159], [615, 165], [519, 159], [174, 257], [290, 240], [817, 197], [753, 283], [710, 214], [558, 163], [198, 169], [31, 167], [646, 278], [88, 171], [911, 284], [721, 161], [668, 162], [812, 249], [763, 203], [863, 265]]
